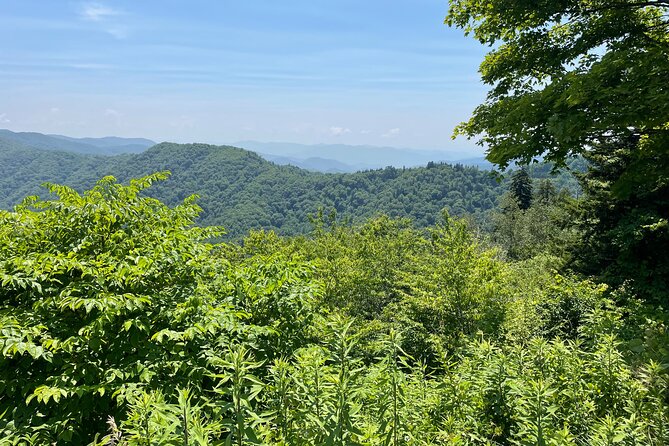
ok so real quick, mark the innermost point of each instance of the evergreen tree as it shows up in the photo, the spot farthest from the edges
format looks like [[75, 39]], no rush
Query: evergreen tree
[[521, 188], [626, 236], [546, 193]]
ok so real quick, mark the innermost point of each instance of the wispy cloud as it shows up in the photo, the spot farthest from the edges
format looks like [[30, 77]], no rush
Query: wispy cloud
[[3, 118], [112, 112], [105, 16], [120, 32], [392, 132], [338, 131], [113, 117], [97, 12], [91, 66]]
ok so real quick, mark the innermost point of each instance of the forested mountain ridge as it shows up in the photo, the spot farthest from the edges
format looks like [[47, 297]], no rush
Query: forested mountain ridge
[[110, 145], [240, 190], [23, 169], [326, 158]]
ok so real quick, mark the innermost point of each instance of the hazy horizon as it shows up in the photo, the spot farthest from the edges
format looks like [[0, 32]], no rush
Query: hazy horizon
[[344, 72], [281, 148]]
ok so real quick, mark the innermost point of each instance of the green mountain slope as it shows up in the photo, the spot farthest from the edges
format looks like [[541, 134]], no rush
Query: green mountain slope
[[110, 145], [23, 169], [240, 190]]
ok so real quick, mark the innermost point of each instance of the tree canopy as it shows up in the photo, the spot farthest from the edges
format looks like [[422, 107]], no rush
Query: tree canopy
[[568, 74], [584, 77]]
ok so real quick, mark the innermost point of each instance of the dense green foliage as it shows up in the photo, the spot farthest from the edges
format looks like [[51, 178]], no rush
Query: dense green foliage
[[625, 236], [121, 324], [242, 191], [545, 226], [585, 77]]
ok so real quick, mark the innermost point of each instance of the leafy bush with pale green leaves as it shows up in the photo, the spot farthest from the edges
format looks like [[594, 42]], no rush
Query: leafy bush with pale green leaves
[[109, 292]]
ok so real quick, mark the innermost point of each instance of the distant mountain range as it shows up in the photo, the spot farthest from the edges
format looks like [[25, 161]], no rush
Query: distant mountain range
[[110, 145], [240, 190], [327, 158], [336, 158], [313, 164]]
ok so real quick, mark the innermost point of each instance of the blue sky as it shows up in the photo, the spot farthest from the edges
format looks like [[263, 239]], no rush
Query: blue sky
[[309, 71]]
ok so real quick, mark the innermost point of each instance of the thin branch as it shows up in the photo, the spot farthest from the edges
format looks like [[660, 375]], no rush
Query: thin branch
[[635, 5]]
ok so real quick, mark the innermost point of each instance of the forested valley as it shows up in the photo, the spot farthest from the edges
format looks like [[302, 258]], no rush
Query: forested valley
[[241, 191], [522, 312]]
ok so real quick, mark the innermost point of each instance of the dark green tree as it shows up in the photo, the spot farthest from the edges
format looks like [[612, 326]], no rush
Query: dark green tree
[[545, 192], [626, 238], [521, 188]]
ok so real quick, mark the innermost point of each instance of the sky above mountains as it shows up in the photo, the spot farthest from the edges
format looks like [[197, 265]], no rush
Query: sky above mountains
[[308, 71]]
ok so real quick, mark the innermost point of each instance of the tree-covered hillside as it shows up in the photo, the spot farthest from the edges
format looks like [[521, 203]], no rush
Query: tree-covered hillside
[[24, 168], [241, 190]]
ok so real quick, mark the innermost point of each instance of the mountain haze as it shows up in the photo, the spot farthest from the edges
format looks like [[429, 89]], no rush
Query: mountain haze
[[114, 144], [110, 145], [327, 158], [314, 164], [351, 158]]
